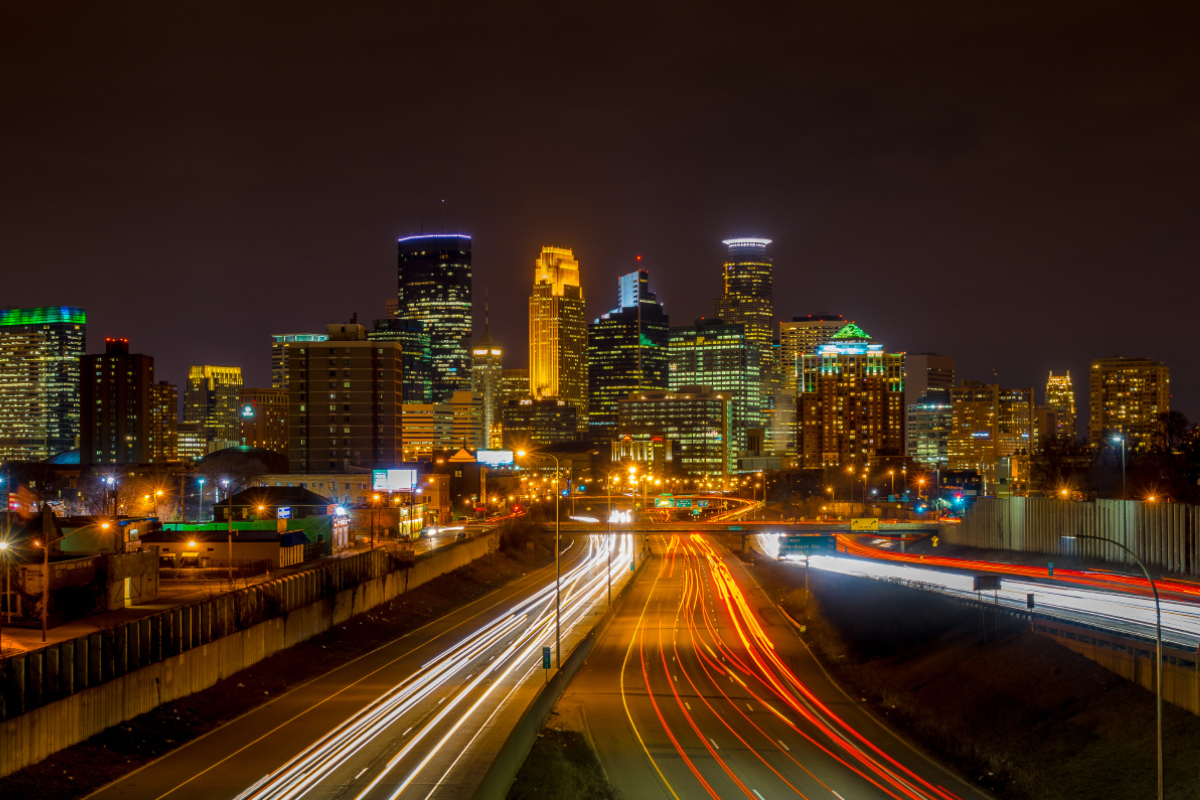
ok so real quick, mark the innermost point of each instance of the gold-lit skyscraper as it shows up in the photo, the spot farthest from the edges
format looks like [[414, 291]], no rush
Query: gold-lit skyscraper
[[746, 297], [212, 400], [1127, 395], [1060, 396], [558, 331]]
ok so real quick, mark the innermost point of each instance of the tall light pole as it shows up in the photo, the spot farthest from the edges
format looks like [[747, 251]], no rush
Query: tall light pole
[[200, 504], [1158, 639], [557, 552], [8, 592]]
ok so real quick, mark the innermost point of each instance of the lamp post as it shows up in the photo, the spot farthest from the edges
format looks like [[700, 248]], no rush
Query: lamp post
[[229, 533], [1158, 640], [557, 552], [8, 592], [892, 475], [200, 503]]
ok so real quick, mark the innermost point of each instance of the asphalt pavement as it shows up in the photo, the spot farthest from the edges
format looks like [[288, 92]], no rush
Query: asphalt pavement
[[700, 688]]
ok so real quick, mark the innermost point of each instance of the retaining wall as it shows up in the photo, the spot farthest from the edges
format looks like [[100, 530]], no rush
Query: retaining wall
[[62, 694], [1164, 535]]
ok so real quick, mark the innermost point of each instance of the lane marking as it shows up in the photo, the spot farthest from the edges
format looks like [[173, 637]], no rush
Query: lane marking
[[756, 792], [785, 747], [714, 744], [359, 775], [750, 708]]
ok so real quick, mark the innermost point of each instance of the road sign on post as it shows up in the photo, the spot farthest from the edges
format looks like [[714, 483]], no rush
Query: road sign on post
[[546, 662]]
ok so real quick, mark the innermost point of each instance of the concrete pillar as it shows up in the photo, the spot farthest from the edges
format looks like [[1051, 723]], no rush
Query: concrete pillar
[[95, 656], [16, 680], [155, 651], [186, 628], [35, 681], [66, 667], [133, 645], [121, 643], [54, 672], [82, 645]]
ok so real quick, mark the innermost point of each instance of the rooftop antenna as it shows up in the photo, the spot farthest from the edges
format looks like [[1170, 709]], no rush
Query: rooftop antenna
[[485, 310], [443, 215]]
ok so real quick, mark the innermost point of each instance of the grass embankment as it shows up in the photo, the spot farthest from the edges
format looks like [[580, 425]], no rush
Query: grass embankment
[[76, 771], [563, 766], [1017, 714]]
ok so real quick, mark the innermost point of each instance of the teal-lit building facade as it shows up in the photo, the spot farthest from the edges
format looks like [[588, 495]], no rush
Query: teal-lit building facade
[[416, 363], [627, 352], [719, 355], [40, 349]]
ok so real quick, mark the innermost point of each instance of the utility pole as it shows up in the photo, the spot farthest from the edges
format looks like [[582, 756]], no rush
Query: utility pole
[[230, 520]]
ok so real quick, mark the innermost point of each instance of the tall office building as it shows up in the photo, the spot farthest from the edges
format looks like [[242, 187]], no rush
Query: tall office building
[[213, 399], [435, 288], [264, 417], [975, 427], [344, 403], [192, 442], [417, 361], [164, 423], [719, 355], [558, 332], [486, 371], [1060, 396], [747, 295], [925, 371], [850, 403], [697, 417], [116, 406], [1016, 423], [539, 422], [1127, 395], [428, 427], [40, 350], [282, 346], [466, 429], [627, 352], [801, 337], [930, 420]]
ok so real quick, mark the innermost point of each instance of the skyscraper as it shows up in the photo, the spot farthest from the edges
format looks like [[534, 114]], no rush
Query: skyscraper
[[928, 431], [164, 423], [486, 371], [719, 355], [116, 406], [1060, 396], [435, 288], [850, 406], [627, 352], [282, 346], [747, 294], [213, 399], [40, 350], [696, 417], [417, 361], [466, 414], [344, 408], [539, 422], [925, 371], [1127, 395], [802, 336], [558, 332]]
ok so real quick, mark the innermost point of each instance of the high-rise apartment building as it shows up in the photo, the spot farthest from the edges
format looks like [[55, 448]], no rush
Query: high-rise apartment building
[[1060, 396], [975, 429], [344, 403], [747, 295], [558, 332], [850, 403], [1127, 395], [487, 369], [192, 441], [539, 422], [417, 360], [930, 420], [698, 418], [435, 288], [719, 355], [801, 337], [40, 350], [213, 399], [925, 371], [116, 407], [282, 346], [164, 423], [264, 418], [627, 352], [1016, 423], [514, 385]]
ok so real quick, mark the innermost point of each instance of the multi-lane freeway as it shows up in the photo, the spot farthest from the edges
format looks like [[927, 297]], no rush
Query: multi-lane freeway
[[700, 688], [420, 717]]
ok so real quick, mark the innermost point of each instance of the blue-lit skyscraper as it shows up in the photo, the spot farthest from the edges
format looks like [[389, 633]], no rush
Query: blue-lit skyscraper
[[627, 352], [720, 355], [434, 287]]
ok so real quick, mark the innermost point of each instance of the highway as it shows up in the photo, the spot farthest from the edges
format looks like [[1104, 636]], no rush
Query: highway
[[1101, 600], [700, 688], [420, 717]]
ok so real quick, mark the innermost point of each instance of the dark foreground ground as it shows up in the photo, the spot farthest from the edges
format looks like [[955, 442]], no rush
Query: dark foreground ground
[[1032, 718], [77, 771], [561, 765]]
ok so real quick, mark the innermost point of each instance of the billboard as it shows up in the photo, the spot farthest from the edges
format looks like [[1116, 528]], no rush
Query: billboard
[[495, 458], [394, 480]]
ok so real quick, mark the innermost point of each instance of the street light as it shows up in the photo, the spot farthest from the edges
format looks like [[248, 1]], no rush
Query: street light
[[557, 552], [1158, 640]]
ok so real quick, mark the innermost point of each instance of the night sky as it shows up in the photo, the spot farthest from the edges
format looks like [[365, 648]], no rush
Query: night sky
[[1013, 184]]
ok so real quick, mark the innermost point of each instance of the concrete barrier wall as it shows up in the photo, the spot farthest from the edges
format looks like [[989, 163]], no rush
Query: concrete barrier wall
[[1163, 535], [75, 689]]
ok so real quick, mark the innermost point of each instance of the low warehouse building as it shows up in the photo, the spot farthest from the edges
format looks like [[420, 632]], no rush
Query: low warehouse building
[[253, 550]]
